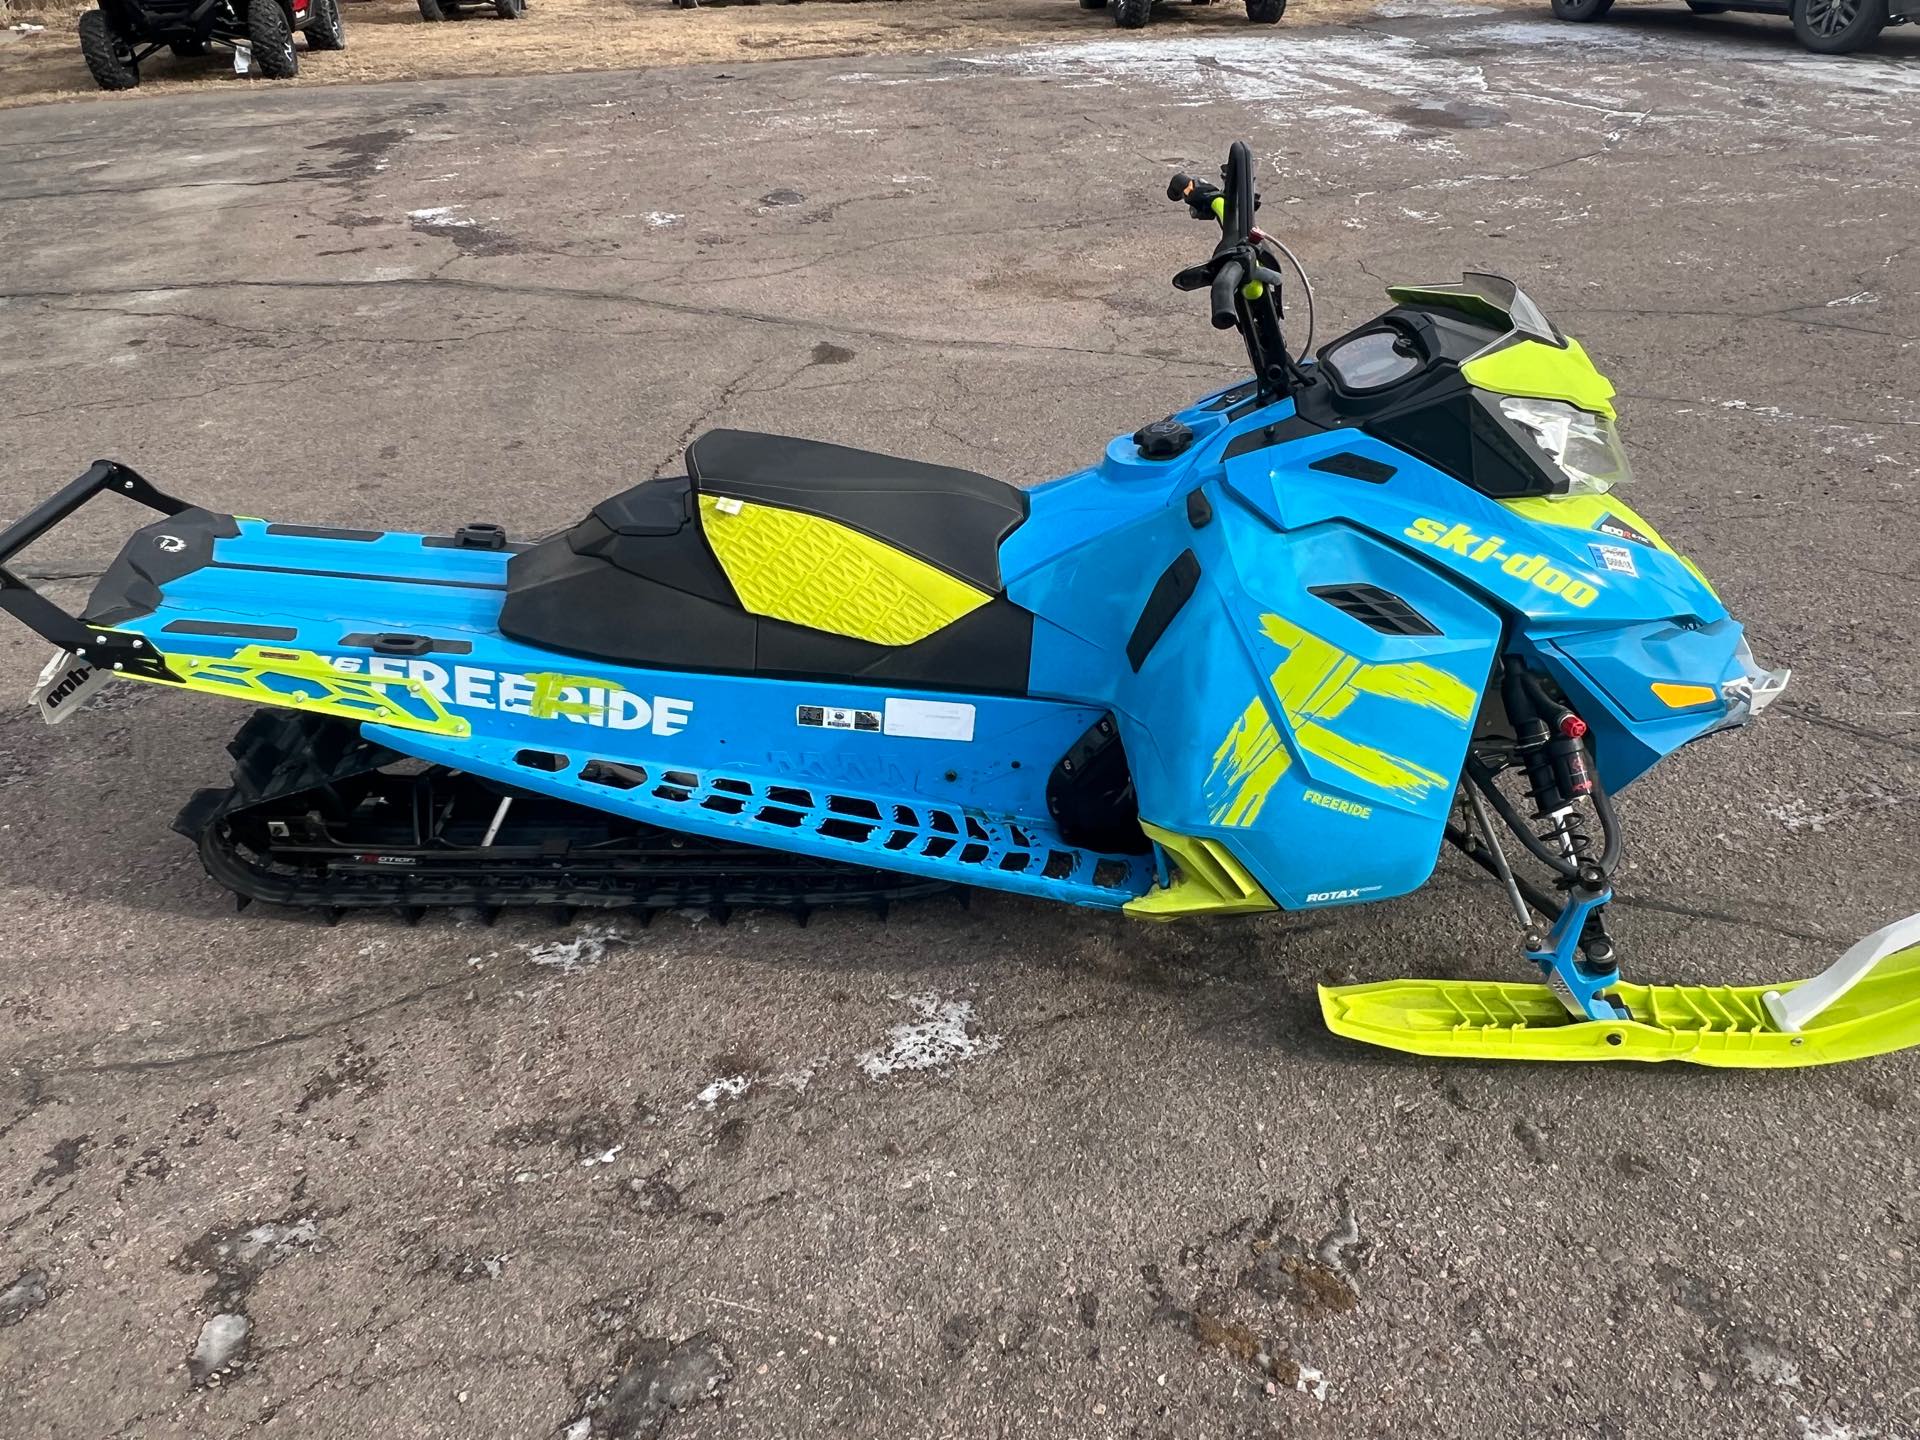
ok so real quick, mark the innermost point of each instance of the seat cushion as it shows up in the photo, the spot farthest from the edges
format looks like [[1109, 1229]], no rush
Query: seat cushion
[[952, 519]]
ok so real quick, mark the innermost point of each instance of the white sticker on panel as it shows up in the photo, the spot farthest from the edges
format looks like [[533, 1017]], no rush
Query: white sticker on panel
[[929, 719]]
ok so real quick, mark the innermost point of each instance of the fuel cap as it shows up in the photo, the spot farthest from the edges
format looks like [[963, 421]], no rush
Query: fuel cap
[[1162, 440]]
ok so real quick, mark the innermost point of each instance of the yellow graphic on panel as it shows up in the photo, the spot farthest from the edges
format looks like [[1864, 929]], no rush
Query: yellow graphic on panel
[[827, 576], [1315, 685], [1245, 766]]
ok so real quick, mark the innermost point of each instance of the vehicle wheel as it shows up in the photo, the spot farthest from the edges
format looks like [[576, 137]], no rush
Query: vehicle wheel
[[187, 49], [1131, 14], [430, 10], [1266, 12], [327, 30], [1835, 27], [272, 35], [509, 9], [1581, 10], [109, 58]]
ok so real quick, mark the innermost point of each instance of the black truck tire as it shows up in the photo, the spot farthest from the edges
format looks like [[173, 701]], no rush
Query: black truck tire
[[509, 9], [1131, 14], [1838, 27], [1266, 12], [270, 32], [327, 27], [1581, 10], [109, 58], [430, 10]]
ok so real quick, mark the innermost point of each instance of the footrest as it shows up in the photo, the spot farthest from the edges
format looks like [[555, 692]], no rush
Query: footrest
[[1724, 1025]]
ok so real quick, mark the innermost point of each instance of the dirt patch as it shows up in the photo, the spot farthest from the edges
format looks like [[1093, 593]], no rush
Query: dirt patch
[[387, 40]]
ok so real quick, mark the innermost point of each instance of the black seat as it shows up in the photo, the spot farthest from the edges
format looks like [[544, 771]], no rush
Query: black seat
[[637, 583]]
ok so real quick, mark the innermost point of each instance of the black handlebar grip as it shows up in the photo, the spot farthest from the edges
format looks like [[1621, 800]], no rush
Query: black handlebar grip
[[1226, 286]]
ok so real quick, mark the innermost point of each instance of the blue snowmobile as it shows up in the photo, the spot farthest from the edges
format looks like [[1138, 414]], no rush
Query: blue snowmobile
[[1270, 653]]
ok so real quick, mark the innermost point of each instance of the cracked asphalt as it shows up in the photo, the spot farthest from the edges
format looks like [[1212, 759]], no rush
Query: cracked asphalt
[[262, 1176]]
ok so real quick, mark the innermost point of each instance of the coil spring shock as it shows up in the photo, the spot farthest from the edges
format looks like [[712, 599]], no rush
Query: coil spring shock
[[1549, 742]]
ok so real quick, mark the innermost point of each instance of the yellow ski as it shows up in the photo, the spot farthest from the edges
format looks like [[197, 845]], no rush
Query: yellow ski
[[1869, 1005]]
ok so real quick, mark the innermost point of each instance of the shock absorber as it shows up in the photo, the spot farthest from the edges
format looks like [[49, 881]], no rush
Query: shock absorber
[[1551, 741]]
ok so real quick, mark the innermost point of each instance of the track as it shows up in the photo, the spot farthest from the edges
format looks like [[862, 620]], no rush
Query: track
[[319, 817]]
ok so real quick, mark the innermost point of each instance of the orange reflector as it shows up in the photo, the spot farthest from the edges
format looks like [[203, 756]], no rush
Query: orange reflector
[[1684, 697]]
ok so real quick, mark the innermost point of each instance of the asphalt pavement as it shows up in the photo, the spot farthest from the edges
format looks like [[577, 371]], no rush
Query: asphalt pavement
[[997, 1171]]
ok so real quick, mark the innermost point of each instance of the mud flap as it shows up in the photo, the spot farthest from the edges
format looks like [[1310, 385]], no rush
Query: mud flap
[[1723, 1025]]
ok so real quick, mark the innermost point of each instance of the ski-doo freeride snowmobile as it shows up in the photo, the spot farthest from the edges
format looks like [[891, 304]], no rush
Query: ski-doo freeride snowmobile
[[1270, 653]]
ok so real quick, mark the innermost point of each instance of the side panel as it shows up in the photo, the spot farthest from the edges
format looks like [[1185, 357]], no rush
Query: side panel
[[1321, 751]]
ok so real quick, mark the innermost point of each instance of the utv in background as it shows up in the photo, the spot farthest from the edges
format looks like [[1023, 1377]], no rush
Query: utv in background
[[121, 33], [1827, 27], [1132, 14]]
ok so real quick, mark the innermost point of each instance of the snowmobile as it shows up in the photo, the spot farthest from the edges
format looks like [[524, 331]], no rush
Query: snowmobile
[[1271, 653]]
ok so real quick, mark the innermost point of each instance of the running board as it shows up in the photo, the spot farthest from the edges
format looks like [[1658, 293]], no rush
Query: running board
[[1721, 1025]]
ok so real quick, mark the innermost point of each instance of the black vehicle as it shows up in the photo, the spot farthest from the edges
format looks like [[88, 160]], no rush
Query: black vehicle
[[120, 34], [504, 9], [1827, 27], [1132, 14]]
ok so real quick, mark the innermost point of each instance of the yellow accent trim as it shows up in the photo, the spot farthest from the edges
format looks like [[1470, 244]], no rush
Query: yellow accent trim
[[1585, 512], [310, 683], [1546, 372], [1245, 767], [827, 576], [1315, 685], [1720, 1025], [549, 686], [1683, 697], [1207, 880], [1412, 681]]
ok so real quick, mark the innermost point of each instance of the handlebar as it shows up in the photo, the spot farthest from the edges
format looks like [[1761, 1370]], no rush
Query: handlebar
[[1227, 281], [1241, 278]]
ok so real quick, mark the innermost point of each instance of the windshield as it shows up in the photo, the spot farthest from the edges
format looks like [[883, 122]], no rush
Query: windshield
[[1491, 299]]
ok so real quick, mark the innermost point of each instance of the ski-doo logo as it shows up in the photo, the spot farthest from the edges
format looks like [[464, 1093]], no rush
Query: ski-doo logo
[[544, 697], [1463, 541], [69, 683]]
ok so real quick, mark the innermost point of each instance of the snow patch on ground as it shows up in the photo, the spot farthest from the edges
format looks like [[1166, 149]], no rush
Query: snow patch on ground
[[1309, 77], [660, 219], [1795, 815], [439, 215], [266, 1244], [943, 1034], [1311, 1382], [222, 1341], [1428, 9], [727, 1087], [577, 955]]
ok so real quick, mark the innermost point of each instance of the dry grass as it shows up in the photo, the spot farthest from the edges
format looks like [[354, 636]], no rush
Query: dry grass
[[388, 41]]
